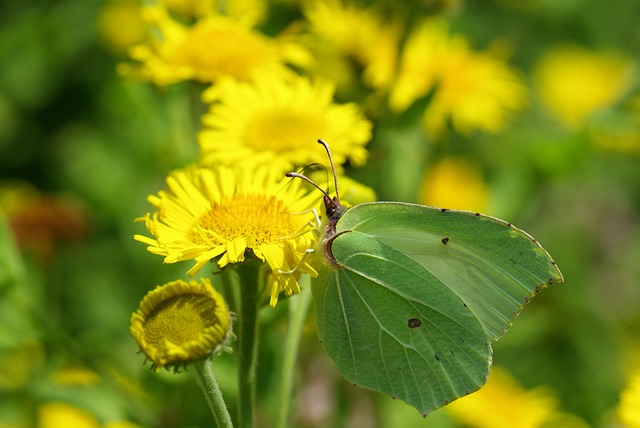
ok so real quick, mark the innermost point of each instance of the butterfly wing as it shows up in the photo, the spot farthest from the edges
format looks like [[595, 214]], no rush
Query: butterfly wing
[[391, 326], [419, 294]]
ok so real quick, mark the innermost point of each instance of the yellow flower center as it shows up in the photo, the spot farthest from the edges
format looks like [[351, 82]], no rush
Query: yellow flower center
[[217, 52], [180, 319], [256, 217], [282, 131]]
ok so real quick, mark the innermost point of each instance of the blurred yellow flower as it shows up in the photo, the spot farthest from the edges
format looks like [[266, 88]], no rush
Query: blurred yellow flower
[[503, 403], [78, 376], [629, 407], [277, 121], [574, 83], [456, 184], [472, 90], [120, 25], [362, 34], [213, 48], [56, 414], [221, 214], [181, 322]]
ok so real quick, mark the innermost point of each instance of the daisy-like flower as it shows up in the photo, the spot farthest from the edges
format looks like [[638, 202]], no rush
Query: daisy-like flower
[[473, 90], [629, 407], [52, 414], [455, 183], [120, 25], [361, 34], [180, 322], [222, 214], [502, 402], [575, 83], [275, 121], [214, 47]]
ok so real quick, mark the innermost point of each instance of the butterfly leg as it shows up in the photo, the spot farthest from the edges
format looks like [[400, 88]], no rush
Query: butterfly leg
[[297, 266], [315, 225]]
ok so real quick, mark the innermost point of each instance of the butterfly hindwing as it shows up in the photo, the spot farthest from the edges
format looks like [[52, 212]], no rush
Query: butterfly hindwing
[[391, 326]]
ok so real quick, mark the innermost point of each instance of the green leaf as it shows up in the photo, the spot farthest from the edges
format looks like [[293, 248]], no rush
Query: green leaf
[[418, 295]]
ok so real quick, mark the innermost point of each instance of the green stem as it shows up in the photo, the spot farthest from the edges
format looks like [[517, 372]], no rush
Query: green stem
[[229, 281], [207, 380], [298, 307], [247, 342]]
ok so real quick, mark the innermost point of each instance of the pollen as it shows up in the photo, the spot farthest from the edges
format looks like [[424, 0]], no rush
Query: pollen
[[259, 218]]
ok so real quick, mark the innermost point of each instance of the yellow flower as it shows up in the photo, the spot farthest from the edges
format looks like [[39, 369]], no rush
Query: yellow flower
[[504, 403], [362, 34], [121, 26], [472, 90], [574, 83], [220, 214], [629, 407], [214, 47], [77, 376], [454, 183], [276, 121], [180, 322], [55, 414]]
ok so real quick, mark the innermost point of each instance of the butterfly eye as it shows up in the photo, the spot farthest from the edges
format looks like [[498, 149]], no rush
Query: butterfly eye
[[331, 210]]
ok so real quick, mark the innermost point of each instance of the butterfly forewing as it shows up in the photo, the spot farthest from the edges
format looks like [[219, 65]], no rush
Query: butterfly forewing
[[492, 266]]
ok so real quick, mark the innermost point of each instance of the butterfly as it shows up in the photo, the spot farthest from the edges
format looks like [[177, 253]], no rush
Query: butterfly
[[409, 298]]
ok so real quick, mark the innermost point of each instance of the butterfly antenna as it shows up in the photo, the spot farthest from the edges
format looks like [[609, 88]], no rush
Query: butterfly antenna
[[333, 168], [308, 180]]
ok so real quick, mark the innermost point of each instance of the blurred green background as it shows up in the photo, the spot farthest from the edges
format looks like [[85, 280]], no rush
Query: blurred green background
[[81, 147]]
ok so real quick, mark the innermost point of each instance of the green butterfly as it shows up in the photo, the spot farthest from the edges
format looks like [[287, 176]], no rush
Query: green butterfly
[[410, 297]]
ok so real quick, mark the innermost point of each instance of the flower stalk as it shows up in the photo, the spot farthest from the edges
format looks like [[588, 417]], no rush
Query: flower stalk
[[211, 390], [298, 308], [249, 285]]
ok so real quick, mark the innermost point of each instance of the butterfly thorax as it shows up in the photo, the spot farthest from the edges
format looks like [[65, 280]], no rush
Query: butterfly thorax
[[334, 211]]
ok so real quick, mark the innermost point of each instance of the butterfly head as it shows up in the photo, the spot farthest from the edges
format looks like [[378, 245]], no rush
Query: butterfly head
[[333, 208]]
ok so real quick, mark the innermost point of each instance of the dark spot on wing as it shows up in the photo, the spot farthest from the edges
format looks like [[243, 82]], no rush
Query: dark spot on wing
[[414, 323], [443, 210], [437, 357], [445, 240], [477, 214]]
